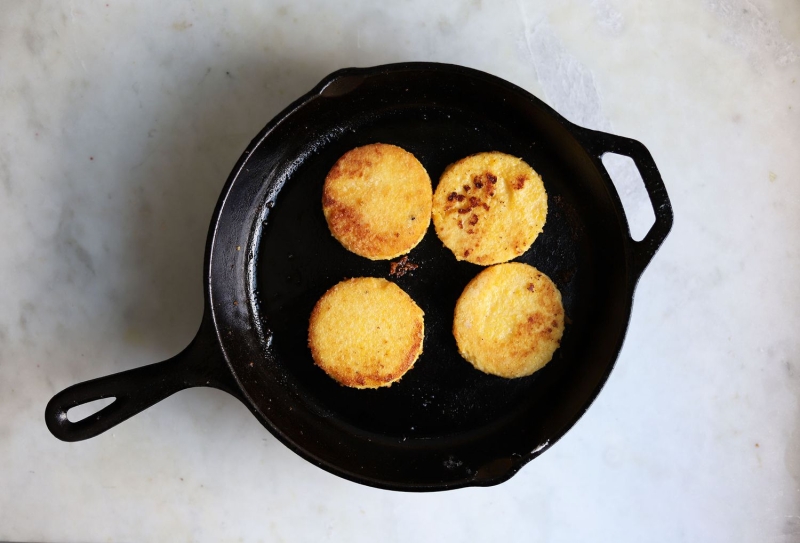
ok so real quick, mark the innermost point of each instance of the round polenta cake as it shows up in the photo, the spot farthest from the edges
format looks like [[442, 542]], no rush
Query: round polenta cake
[[366, 332], [489, 208], [509, 320], [377, 201]]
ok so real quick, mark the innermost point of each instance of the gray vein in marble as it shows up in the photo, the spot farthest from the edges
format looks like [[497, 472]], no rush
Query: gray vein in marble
[[33, 40], [751, 31], [608, 17], [72, 35], [69, 243], [5, 171]]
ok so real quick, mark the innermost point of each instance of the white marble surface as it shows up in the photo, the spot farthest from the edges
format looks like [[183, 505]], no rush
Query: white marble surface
[[120, 123]]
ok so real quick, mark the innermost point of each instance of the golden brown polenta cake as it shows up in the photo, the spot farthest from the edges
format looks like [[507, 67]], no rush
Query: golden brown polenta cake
[[489, 208], [366, 332], [377, 201], [509, 320]]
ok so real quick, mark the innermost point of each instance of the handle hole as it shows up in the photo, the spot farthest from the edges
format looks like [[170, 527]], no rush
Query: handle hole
[[80, 412], [630, 187]]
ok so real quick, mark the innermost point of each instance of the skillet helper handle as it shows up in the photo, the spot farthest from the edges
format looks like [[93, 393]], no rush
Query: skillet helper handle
[[644, 250], [200, 364]]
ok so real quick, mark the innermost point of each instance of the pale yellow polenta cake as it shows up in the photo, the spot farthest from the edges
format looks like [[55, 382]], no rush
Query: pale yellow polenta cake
[[366, 332], [489, 208], [509, 320], [377, 201]]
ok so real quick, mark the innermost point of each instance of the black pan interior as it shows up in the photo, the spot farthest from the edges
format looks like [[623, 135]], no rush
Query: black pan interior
[[299, 260], [444, 423]]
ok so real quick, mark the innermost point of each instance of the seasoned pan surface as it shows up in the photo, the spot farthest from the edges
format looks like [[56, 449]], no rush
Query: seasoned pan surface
[[299, 260]]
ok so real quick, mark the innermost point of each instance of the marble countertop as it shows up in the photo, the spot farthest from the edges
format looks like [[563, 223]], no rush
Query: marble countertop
[[121, 122]]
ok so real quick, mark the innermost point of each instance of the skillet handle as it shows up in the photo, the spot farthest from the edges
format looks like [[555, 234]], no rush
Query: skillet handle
[[643, 251], [201, 363]]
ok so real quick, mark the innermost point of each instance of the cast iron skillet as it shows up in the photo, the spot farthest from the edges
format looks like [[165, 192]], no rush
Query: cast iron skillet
[[270, 256]]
